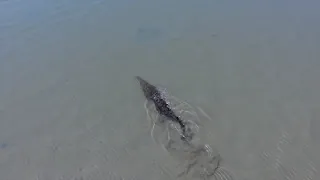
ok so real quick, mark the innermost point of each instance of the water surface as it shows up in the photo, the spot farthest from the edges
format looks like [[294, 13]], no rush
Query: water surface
[[70, 107]]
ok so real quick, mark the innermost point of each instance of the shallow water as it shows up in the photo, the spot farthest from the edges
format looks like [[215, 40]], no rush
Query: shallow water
[[70, 107]]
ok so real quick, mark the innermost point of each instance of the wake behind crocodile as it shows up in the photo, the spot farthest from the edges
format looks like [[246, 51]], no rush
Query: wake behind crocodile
[[175, 126]]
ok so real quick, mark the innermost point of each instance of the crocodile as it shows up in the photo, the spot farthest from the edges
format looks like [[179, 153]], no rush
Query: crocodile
[[152, 94]]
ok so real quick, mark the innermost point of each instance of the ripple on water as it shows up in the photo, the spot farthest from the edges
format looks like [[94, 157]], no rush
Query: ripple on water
[[196, 158]]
